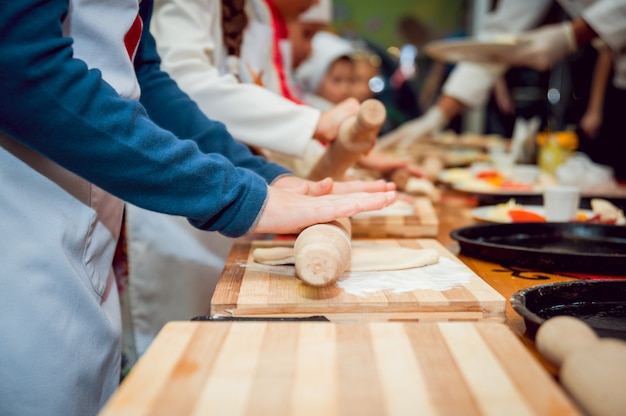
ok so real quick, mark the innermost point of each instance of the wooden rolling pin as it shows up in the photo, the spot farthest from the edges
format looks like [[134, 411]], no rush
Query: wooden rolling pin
[[357, 136], [322, 252], [591, 369]]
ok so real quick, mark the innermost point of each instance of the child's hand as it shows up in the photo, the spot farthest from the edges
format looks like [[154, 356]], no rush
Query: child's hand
[[328, 125], [288, 212], [328, 186]]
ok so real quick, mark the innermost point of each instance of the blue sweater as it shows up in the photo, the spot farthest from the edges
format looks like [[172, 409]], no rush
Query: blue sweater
[[161, 153]]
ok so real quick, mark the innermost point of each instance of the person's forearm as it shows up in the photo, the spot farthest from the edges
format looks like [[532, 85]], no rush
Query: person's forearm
[[583, 33], [600, 79], [450, 106]]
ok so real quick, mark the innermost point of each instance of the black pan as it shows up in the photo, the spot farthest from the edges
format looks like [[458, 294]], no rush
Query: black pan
[[559, 247], [599, 303]]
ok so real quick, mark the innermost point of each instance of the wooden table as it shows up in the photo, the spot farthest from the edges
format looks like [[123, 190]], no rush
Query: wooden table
[[320, 368]]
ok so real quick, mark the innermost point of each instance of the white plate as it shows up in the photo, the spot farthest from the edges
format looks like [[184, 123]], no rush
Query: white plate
[[485, 188], [453, 175], [485, 213], [455, 50]]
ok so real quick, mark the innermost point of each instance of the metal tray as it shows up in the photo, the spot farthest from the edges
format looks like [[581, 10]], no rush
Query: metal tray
[[559, 247], [599, 303], [475, 50]]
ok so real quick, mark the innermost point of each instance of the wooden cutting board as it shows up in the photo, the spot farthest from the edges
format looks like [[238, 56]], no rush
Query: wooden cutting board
[[317, 368], [248, 291], [422, 223]]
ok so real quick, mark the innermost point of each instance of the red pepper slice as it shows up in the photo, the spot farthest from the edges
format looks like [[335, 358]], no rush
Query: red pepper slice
[[520, 215], [485, 174], [516, 186]]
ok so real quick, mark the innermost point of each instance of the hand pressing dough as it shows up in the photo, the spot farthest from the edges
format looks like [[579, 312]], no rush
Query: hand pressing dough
[[364, 258]]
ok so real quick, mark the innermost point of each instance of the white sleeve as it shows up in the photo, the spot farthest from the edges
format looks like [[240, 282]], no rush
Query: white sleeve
[[608, 19], [189, 41], [471, 83], [515, 16]]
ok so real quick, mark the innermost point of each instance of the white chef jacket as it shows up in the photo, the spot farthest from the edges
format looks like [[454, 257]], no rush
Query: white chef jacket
[[471, 83], [189, 40]]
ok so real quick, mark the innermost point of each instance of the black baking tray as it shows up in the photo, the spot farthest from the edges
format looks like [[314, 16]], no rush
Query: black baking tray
[[599, 303], [549, 246]]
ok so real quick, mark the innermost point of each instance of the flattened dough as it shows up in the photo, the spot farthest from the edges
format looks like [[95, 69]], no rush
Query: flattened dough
[[369, 258], [383, 258]]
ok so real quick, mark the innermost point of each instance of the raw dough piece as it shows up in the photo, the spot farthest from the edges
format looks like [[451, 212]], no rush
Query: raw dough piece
[[398, 208], [422, 186], [274, 255], [368, 258], [607, 211]]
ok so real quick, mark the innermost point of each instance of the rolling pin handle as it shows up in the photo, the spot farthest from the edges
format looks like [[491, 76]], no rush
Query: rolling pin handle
[[591, 369], [356, 137], [322, 252]]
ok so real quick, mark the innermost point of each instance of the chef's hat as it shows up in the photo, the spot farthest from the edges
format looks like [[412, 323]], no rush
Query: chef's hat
[[326, 49], [321, 12]]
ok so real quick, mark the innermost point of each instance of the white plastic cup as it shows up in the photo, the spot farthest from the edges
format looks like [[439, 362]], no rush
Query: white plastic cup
[[503, 162], [561, 202], [526, 174]]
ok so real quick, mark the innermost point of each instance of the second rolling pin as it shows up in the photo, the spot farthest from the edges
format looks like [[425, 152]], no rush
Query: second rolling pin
[[357, 136], [322, 252], [592, 369]]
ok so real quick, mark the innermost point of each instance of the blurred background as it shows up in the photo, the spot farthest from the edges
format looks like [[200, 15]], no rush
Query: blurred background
[[393, 34], [396, 31]]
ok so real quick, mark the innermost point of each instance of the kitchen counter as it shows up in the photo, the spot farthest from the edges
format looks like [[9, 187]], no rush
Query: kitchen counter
[[394, 368], [319, 368]]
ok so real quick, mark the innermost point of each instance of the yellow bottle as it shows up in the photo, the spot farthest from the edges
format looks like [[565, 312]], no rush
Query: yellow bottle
[[555, 148], [550, 155]]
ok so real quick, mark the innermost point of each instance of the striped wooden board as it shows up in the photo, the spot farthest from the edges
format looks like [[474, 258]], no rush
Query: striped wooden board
[[248, 291], [317, 368], [422, 223]]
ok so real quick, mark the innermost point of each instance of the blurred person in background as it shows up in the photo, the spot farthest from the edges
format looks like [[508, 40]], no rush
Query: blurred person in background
[[430, 74], [238, 50], [470, 84], [303, 29], [327, 77], [366, 80], [597, 110], [521, 91]]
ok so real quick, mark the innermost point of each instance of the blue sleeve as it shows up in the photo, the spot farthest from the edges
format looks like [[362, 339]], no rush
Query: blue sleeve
[[173, 110], [56, 105]]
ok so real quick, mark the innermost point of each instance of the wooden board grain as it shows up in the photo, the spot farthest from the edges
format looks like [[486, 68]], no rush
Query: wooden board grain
[[249, 292], [317, 368], [422, 223]]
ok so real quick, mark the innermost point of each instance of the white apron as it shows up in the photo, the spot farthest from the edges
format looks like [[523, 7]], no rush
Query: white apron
[[58, 302]]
